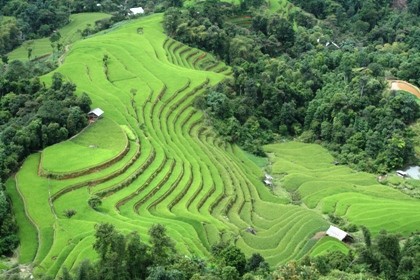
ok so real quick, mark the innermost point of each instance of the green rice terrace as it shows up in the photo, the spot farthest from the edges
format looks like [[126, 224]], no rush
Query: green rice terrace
[[152, 159]]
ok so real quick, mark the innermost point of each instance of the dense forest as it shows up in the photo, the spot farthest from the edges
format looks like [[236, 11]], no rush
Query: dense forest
[[32, 116], [317, 72]]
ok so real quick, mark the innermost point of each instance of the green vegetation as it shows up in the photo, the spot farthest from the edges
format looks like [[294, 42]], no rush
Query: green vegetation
[[327, 245], [27, 232], [129, 257], [8, 238], [259, 161], [165, 151], [202, 189], [309, 172], [130, 134], [201, 200], [315, 70], [34, 116], [68, 34], [100, 143]]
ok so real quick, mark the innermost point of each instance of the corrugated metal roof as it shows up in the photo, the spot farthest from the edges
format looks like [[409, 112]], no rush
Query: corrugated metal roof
[[97, 112], [336, 233], [137, 10], [268, 176], [268, 182]]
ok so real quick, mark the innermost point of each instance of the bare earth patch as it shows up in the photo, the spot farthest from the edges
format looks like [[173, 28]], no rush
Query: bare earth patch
[[405, 86], [318, 235]]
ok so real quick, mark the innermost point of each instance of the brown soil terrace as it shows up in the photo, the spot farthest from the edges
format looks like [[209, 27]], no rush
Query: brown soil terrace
[[405, 86]]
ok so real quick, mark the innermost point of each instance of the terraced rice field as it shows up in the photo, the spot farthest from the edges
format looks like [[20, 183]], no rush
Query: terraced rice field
[[329, 189], [69, 34], [329, 244], [100, 144], [161, 163]]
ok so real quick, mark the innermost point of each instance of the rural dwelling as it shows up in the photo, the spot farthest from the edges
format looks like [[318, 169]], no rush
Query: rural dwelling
[[268, 180], [95, 114], [251, 230], [402, 173], [268, 177], [268, 183], [136, 11], [339, 234]]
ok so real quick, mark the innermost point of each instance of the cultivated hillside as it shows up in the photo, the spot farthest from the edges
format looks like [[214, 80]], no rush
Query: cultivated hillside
[[151, 159]]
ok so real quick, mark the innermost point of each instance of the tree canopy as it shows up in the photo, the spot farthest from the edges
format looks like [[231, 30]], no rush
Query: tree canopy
[[317, 72]]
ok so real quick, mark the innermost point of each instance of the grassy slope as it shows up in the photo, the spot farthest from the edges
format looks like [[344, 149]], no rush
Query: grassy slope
[[309, 170], [69, 34], [98, 143], [183, 176], [328, 244], [27, 232], [179, 173]]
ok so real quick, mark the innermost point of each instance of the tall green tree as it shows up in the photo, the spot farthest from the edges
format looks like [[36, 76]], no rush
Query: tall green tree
[[162, 247]]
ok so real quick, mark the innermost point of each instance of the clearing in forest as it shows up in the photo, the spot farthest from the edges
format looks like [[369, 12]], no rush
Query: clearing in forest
[[69, 34], [405, 86]]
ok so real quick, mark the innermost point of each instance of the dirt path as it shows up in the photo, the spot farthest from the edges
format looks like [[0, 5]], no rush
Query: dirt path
[[61, 58], [405, 86], [319, 235]]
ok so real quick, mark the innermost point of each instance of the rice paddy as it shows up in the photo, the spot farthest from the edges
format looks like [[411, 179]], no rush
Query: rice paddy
[[152, 159], [309, 170], [99, 144], [328, 244]]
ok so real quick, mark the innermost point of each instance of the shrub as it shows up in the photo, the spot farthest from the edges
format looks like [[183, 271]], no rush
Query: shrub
[[335, 219], [351, 228], [94, 202], [69, 213], [296, 198]]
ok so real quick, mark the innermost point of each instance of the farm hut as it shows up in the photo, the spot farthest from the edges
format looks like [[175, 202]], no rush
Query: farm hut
[[136, 11], [268, 180], [95, 114], [338, 234], [268, 183], [268, 177], [251, 230], [402, 173]]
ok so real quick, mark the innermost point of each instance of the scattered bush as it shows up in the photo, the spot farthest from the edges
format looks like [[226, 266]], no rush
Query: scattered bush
[[94, 202], [336, 219], [296, 199], [351, 228], [69, 213]]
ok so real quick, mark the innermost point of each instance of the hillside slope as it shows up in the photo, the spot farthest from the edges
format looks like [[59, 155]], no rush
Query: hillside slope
[[175, 170], [69, 34]]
